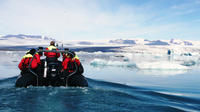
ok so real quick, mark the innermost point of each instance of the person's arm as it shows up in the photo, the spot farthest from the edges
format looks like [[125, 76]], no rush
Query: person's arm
[[20, 64], [38, 58], [78, 62], [34, 63], [79, 65], [57, 54], [80, 68], [65, 63], [46, 53]]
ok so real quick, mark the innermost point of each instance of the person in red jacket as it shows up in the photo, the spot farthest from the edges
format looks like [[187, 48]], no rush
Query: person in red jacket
[[52, 54], [65, 55], [72, 64], [26, 60]]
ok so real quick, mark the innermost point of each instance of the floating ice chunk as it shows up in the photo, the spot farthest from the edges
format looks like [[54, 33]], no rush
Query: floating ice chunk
[[188, 63], [160, 65], [101, 62], [163, 73]]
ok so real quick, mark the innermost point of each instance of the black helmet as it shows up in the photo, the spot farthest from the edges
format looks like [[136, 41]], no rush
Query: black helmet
[[32, 51], [40, 48], [40, 51], [66, 49], [71, 54]]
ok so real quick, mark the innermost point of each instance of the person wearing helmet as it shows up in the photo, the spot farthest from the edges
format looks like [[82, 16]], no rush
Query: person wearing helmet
[[24, 63], [72, 71], [65, 55], [71, 62], [52, 55]]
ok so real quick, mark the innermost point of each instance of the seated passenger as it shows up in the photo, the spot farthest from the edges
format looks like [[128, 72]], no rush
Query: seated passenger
[[72, 64], [52, 56], [65, 54], [24, 63]]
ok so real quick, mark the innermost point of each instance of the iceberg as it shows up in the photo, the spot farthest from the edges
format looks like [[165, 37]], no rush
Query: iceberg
[[102, 62], [163, 73], [161, 65]]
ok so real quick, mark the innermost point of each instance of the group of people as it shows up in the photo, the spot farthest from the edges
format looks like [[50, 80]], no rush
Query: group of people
[[70, 62]]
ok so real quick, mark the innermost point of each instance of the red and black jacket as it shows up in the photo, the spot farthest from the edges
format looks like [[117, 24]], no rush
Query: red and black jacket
[[69, 65], [52, 54], [38, 58], [26, 60]]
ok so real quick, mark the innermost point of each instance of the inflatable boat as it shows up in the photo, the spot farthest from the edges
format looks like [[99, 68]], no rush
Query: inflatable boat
[[50, 74]]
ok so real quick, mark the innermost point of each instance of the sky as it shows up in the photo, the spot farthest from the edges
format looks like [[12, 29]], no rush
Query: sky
[[102, 19]]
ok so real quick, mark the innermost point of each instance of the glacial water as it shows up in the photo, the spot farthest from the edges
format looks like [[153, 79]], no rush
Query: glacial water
[[116, 84]]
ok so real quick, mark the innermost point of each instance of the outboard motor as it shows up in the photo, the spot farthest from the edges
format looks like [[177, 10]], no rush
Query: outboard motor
[[53, 71]]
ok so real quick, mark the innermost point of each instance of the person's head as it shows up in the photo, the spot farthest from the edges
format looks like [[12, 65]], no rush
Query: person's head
[[32, 51], [40, 48], [39, 51], [71, 54], [66, 49], [52, 43]]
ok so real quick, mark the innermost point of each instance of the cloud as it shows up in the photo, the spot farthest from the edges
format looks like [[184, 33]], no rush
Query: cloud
[[88, 19], [197, 2], [43, 17], [186, 7], [155, 32]]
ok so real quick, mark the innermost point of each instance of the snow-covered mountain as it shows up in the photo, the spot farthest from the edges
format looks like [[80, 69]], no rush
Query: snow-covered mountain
[[121, 41], [155, 42], [22, 36], [21, 39], [181, 42]]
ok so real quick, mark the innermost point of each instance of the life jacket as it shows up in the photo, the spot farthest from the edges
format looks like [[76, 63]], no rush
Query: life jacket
[[80, 68], [76, 59], [70, 64], [52, 54], [51, 47], [24, 64], [65, 56], [38, 58], [27, 59]]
